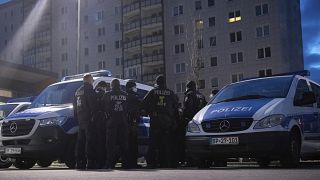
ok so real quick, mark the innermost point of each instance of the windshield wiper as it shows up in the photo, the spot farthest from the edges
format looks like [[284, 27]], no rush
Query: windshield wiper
[[244, 98]]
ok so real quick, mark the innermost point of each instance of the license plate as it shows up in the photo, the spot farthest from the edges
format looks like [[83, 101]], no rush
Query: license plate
[[224, 141], [13, 151]]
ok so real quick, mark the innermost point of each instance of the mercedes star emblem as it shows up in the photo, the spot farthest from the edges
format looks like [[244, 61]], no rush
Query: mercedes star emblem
[[224, 126], [13, 127]]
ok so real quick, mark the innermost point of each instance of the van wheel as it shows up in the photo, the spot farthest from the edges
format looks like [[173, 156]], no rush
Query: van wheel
[[202, 163], [24, 163], [4, 162], [44, 163], [292, 156], [220, 163], [263, 162]]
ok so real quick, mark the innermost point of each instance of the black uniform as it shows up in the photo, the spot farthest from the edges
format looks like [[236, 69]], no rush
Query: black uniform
[[161, 105], [117, 126], [85, 108], [101, 129]]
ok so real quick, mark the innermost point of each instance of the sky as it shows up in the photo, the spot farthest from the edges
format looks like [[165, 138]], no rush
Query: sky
[[310, 12]]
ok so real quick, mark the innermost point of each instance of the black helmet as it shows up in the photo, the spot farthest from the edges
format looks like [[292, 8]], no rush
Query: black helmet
[[129, 85], [115, 84], [102, 84], [161, 81], [191, 85]]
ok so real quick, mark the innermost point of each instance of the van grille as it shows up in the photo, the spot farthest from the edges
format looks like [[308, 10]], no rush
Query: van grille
[[226, 125], [20, 127]]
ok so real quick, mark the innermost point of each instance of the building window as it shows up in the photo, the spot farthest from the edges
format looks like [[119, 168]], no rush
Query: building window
[[265, 72], [202, 84], [101, 48], [117, 27], [198, 5], [102, 65], [234, 16], [117, 44], [213, 41], [101, 31], [64, 10], [64, 57], [263, 31], [86, 19], [117, 61], [99, 15], [86, 51], [64, 72], [178, 10], [212, 21], [236, 57], [86, 68], [178, 29], [264, 53], [64, 41], [214, 82], [236, 77], [199, 24], [211, 3], [213, 61], [236, 36], [180, 68], [179, 48], [262, 9], [180, 87], [200, 43]]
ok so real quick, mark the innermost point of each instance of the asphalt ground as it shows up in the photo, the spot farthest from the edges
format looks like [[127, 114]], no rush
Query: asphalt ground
[[234, 171]]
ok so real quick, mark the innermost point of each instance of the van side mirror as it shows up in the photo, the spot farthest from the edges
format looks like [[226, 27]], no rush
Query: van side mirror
[[307, 98]]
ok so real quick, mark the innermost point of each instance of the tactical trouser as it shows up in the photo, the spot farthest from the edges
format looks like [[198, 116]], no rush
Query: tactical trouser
[[101, 141], [132, 143]]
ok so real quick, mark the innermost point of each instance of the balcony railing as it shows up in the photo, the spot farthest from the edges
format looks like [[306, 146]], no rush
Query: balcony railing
[[132, 44], [131, 7], [131, 26], [149, 3], [131, 62], [151, 20], [150, 76], [152, 39], [152, 58]]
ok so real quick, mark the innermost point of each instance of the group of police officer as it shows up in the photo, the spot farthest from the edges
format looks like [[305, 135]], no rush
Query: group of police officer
[[108, 123]]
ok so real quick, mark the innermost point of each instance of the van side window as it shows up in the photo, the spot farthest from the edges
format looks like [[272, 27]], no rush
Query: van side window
[[302, 88], [23, 108], [316, 90]]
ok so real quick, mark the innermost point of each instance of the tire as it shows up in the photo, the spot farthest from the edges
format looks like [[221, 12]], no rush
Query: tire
[[220, 163], [292, 155], [44, 163], [263, 162], [203, 164], [24, 163], [4, 162]]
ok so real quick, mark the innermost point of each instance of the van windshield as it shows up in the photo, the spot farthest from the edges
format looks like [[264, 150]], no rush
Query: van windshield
[[57, 95], [6, 109], [275, 87]]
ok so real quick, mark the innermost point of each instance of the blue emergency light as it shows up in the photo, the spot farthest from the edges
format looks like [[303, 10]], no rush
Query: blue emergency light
[[101, 73]]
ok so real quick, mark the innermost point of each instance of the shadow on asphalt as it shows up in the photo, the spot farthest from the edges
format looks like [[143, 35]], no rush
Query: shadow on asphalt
[[304, 166]]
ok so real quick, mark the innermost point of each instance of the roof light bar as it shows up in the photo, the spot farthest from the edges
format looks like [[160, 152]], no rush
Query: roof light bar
[[101, 73]]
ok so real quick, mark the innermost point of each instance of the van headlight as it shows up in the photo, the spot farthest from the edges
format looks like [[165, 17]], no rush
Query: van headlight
[[193, 127], [53, 121], [270, 121]]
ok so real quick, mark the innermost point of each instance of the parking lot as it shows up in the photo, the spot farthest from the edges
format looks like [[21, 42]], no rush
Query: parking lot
[[234, 171]]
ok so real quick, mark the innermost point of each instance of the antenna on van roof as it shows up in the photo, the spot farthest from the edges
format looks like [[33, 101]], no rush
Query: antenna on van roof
[[101, 73], [304, 73]]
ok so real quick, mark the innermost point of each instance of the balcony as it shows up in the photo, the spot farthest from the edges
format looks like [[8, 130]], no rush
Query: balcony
[[151, 21], [131, 62], [150, 3], [132, 44], [150, 77], [152, 40], [131, 26], [153, 59], [131, 8]]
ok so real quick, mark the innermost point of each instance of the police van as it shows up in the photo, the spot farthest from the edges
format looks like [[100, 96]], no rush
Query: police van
[[47, 130], [269, 118]]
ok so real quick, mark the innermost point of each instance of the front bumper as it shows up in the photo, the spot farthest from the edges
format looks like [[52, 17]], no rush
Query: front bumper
[[46, 142], [251, 145]]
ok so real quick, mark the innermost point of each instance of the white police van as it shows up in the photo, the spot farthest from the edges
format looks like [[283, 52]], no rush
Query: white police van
[[270, 118], [47, 130]]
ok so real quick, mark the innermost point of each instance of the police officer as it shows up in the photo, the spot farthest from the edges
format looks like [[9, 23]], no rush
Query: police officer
[[85, 108], [133, 120], [101, 119], [117, 126], [193, 102], [161, 105]]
